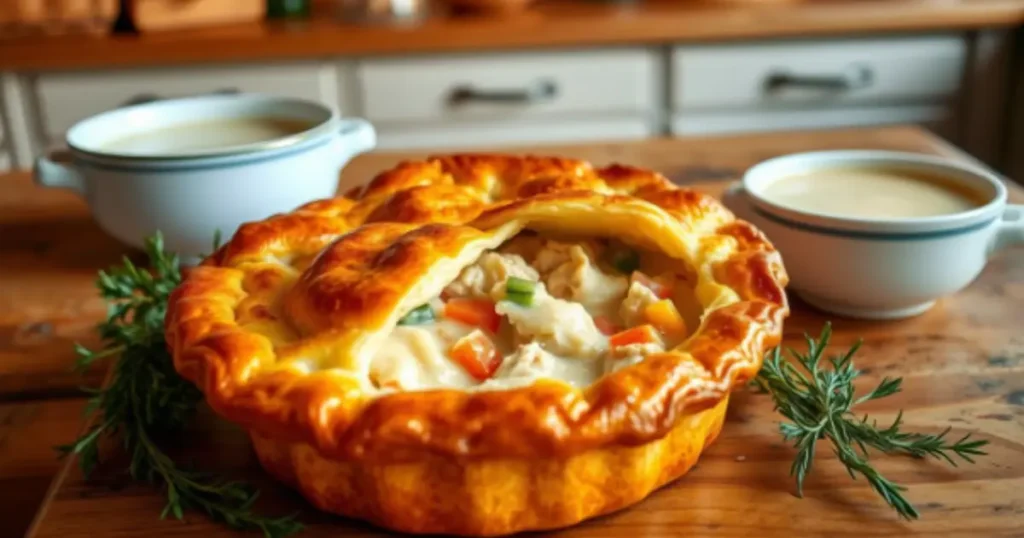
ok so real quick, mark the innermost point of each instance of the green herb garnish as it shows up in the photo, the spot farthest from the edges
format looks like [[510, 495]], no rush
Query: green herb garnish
[[418, 316], [520, 291], [819, 404], [145, 399]]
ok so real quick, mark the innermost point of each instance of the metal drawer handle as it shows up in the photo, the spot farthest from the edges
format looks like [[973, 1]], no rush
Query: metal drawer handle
[[143, 98], [854, 78], [543, 90]]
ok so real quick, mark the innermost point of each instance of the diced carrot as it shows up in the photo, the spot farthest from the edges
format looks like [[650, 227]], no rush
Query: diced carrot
[[661, 289], [476, 354], [642, 334], [475, 312], [606, 325], [666, 318]]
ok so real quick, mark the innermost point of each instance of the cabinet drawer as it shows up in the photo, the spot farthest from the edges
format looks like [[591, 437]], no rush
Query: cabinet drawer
[[67, 97], [714, 123], [503, 86], [817, 72], [446, 136]]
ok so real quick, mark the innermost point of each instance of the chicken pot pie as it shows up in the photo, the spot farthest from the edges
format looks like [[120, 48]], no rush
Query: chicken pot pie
[[480, 345]]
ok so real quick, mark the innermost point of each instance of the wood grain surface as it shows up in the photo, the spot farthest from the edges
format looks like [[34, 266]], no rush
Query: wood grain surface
[[558, 23], [28, 462], [963, 365]]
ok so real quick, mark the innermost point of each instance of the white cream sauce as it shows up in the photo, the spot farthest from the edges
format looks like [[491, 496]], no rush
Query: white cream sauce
[[416, 357], [208, 135], [870, 193], [554, 338], [562, 327]]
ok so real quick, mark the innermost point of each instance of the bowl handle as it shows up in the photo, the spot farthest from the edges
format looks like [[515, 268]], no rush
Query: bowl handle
[[357, 136], [1011, 229], [55, 170]]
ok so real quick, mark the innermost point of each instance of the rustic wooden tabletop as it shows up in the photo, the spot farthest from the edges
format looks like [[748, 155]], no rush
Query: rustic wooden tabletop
[[963, 364]]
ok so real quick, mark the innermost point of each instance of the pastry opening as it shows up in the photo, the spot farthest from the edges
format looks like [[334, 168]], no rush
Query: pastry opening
[[541, 306]]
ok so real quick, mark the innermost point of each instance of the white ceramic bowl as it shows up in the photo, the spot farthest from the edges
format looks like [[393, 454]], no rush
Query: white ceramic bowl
[[191, 195], [879, 268]]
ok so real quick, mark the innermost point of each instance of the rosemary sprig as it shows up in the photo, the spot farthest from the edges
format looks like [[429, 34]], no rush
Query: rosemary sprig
[[818, 402], [145, 398]]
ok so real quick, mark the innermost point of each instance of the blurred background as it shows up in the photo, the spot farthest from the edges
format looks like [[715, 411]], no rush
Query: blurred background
[[444, 74]]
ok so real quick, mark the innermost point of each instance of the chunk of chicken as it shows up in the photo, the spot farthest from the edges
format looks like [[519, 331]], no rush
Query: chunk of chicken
[[554, 254], [524, 245], [637, 299], [637, 350], [576, 278], [486, 277], [561, 327], [531, 361], [569, 272], [623, 356], [546, 255]]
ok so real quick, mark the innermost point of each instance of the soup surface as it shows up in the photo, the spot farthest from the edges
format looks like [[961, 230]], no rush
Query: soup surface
[[872, 193], [207, 135]]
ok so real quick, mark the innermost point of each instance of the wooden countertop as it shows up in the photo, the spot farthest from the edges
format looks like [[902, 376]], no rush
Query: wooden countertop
[[963, 364], [554, 23]]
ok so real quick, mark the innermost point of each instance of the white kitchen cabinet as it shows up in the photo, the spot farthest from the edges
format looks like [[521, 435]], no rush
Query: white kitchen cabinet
[[494, 99], [816, 83], [451, 101], [503, 86], [934, 117], [816, 73], [469, 135]]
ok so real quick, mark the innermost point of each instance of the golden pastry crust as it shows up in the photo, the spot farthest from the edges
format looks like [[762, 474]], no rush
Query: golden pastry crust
[[277, 326], [492, 496]]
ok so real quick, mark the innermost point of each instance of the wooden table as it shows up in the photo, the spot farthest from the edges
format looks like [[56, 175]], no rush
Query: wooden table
[[963, 364]]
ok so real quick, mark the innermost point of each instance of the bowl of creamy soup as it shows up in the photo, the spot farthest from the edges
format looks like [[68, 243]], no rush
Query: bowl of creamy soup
[[193, 167], [878, 234]]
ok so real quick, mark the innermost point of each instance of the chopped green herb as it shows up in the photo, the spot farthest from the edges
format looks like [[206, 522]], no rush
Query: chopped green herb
[[520, 291], [521, 299], [515, 284], [418, 316]]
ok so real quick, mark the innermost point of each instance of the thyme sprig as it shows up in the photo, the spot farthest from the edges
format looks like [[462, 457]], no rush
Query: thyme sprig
[[146, 400], [818, 402]]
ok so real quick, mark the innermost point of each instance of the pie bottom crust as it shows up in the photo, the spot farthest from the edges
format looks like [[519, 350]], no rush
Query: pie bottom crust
[[439, 495]]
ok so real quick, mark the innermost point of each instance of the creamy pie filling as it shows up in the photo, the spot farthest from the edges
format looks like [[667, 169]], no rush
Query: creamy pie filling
[[541, 307]]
